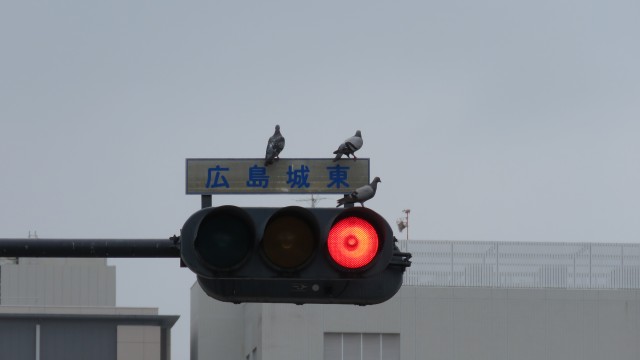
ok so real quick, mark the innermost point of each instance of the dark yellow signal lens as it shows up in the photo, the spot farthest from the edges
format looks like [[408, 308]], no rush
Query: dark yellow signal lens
[[288, 241]]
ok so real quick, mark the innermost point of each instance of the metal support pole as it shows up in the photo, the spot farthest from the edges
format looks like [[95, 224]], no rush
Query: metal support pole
[[37, 341], [407, 211], [91, 248], [206, 201]]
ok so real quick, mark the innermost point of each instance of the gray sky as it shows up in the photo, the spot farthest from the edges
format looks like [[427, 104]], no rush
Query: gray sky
[[490, 120]]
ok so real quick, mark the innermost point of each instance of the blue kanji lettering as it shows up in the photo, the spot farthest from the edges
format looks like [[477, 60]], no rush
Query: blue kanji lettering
[[298, 178], [338, 176], [258, 177], [219, 180]]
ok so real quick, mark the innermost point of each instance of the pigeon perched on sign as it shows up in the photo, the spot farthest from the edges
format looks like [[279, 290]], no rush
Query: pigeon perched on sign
[[349, 147], [274, 147], [361, 194]]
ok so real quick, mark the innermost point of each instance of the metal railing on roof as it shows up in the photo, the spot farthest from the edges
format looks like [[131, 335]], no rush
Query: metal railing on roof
[[524, 265]]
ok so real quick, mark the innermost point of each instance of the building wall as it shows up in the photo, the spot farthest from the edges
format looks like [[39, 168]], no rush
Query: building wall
[[17, 339], [139, 342], [70, 333], [70, 339], [432, 323], [64, 309], [73, 339], [216, 331], [58, 282], [520, 323]]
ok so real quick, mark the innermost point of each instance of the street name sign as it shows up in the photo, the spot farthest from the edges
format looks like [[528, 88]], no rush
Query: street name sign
[[284, 176]]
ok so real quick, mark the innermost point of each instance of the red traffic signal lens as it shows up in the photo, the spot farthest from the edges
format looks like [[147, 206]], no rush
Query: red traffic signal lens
[[353, 242]]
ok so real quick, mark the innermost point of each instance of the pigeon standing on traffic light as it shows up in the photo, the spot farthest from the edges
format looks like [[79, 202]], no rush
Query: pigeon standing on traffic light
[[349, 147], [274, 147], [361, 194]]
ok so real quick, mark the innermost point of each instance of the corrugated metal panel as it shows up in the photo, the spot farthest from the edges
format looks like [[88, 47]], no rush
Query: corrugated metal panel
[[53, 283]]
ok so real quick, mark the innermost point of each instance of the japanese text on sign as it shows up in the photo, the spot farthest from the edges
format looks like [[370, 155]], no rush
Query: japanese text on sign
[[250, 176]]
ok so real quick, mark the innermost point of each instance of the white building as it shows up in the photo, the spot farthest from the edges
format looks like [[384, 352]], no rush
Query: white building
[[64, 309], [464, 300]]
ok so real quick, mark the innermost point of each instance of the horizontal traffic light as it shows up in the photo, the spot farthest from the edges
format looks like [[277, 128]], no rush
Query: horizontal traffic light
[[229, 241], [229, 247]]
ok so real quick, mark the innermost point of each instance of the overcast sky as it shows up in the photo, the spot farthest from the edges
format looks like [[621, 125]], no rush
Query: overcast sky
[[490, 120]]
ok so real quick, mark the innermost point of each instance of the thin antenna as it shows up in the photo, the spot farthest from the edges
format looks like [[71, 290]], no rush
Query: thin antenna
[[313, 200]]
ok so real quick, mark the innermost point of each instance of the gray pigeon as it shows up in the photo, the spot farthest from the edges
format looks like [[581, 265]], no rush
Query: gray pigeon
[[361, 194], [349, 147], [274, 147]]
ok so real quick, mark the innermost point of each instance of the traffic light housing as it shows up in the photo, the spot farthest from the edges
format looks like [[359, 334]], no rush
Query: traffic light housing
[[293, 255]]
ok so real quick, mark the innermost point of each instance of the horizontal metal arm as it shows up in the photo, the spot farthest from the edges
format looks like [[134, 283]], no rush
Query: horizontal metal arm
[[91, 248]]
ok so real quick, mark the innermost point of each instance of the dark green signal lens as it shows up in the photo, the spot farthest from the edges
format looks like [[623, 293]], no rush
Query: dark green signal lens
[[289, 241], [224, 239]]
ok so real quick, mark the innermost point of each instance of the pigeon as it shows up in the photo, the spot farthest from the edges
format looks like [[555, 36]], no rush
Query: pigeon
[[274, 147], [361, 194], [349, 147]]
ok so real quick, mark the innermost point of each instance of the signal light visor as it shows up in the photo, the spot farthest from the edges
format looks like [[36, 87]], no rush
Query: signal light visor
[[353, 242]]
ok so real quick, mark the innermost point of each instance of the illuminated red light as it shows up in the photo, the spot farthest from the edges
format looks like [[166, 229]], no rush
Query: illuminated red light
[[353, 242]]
